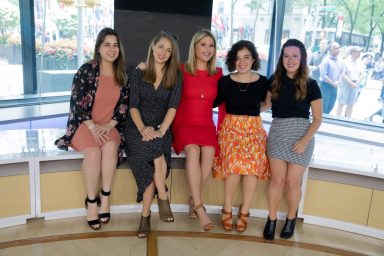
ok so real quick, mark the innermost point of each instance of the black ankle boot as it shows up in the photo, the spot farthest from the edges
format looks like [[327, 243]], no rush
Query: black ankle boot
[[288, 229], [269, 229]]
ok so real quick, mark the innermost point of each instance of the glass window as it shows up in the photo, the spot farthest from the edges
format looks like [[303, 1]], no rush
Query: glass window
[[65, 33], [355, 143], [348, 154], [359, 94], [242, 19], [11, 73]]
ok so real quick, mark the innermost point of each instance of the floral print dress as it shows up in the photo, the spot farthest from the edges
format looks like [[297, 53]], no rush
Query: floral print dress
[[83, 92]]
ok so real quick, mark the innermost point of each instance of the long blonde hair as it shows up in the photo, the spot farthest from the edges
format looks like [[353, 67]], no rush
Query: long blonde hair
[[171, 68], [191, 63]]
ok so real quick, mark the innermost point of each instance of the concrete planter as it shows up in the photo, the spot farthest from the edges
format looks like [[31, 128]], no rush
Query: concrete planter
[[53, 63], [11, 53]]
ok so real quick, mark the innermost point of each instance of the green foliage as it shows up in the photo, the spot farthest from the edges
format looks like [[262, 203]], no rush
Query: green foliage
[[67, 26], [9, 18], [3, 40], [252, 4], [373, 11], [364, 15], [360, 16], [348, 9], [303, 3]]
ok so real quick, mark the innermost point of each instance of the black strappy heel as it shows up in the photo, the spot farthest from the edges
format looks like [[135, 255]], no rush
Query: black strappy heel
[[106, 216], [93, 224]]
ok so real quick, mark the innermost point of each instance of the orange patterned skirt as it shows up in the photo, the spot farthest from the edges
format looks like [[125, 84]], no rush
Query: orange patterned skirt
[[242, 142]]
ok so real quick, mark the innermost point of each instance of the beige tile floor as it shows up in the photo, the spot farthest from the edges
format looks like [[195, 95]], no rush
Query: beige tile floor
[[200, 246], [183, 237]]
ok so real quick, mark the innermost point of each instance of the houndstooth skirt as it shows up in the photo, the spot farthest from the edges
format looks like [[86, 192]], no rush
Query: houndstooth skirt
[[283, 134]]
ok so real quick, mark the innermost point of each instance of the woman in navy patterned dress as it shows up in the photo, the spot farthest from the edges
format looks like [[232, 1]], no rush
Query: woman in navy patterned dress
[[154, 96]]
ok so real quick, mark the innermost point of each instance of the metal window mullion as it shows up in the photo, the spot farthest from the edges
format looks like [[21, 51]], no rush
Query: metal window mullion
[[27, 27], [276, 34]]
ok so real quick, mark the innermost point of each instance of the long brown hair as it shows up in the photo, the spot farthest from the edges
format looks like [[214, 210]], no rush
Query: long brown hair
[[300, 78], [171, 68], [190, 66], [119, 63]]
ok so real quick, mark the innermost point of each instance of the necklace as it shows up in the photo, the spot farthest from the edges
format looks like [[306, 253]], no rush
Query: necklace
[[202, 93], [241, 89]]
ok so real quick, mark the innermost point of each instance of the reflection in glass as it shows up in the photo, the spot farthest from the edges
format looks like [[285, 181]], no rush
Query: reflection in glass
[[11, 73], [349, 155], [13, 142], [61, 46], [65, 33]]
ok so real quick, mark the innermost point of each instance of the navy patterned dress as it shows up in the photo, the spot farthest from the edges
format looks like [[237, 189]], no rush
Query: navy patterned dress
[[153, 105]]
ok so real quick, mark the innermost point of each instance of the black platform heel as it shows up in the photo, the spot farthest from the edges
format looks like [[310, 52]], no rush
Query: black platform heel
[[93, 224], [288, 229], [106, 216], [269, 229]]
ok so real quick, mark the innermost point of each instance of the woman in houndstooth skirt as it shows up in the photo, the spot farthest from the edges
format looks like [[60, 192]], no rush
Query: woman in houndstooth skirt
[[290, 143]]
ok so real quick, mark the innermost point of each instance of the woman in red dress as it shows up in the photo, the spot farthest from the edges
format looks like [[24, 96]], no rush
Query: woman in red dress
[[193, 127]]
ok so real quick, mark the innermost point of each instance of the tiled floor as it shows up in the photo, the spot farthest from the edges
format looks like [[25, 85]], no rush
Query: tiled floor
[[183, 237]]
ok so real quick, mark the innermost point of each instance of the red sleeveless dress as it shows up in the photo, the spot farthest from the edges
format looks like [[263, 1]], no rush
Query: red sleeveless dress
[[193, 123]]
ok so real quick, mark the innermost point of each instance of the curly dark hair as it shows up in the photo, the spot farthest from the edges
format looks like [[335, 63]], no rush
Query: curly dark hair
[[232, 55]]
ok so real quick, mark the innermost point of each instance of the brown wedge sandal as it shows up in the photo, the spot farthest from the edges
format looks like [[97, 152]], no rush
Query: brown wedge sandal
[[243, 218], [227, 220], [165, 211], [207, 227], [145, 226]]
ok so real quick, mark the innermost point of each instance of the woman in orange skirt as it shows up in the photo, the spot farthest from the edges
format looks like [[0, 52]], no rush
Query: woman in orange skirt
[[242, 138]]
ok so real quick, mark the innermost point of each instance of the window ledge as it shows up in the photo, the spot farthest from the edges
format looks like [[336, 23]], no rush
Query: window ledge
[[33, 112]]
